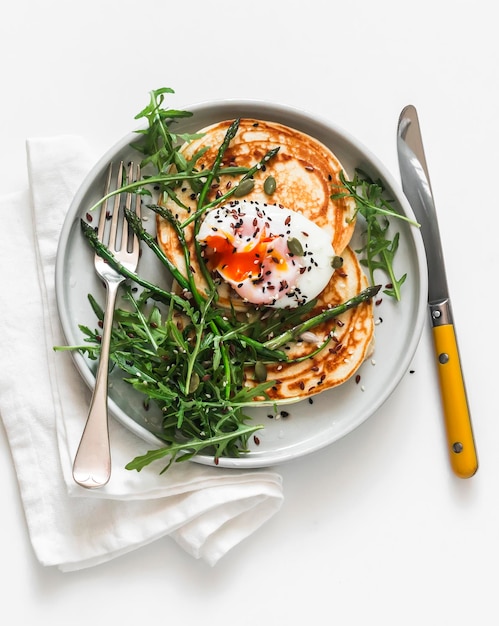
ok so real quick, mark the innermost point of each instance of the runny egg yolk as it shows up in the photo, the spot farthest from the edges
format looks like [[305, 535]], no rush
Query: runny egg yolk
[[238, 264], [249, 245]]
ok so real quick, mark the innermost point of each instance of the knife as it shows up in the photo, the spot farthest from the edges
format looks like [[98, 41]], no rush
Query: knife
[[417, 188]]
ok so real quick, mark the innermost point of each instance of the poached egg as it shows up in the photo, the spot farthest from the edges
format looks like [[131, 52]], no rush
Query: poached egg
[[270, 255]]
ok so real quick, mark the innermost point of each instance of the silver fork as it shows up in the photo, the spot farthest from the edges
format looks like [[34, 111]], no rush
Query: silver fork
[[92, 463]]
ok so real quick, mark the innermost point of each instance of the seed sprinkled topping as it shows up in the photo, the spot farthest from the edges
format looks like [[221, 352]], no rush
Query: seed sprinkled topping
[[263, 249]]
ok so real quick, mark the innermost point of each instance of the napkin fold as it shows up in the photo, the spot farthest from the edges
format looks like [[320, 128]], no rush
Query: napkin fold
[[44, 403]]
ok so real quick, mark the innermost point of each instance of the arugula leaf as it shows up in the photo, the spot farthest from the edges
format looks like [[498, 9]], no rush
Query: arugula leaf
[[379, 250], [158, 143], [187, 449]]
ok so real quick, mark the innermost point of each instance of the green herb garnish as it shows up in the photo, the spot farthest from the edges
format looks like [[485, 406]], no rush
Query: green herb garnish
[[379, 249], [184, 353], [194, 371]]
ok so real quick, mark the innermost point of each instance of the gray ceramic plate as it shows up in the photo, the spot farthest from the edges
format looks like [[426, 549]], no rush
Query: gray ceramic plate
[[334, 413]]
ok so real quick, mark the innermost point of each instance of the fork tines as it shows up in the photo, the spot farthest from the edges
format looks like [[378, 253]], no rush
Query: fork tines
[[111, 219]]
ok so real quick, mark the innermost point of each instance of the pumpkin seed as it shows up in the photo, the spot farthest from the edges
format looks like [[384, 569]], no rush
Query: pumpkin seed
[[269, 185], [295, 246], [194, 382], [337, 262], [260, 372], [244, 187]]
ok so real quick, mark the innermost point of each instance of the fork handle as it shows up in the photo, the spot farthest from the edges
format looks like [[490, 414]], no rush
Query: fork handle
[[92, 463]]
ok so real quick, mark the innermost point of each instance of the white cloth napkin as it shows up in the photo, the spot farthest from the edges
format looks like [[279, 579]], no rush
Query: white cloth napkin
[[43, 404]]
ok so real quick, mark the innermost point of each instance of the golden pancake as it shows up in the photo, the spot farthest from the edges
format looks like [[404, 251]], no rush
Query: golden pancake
[[352, 335], [306, 174]]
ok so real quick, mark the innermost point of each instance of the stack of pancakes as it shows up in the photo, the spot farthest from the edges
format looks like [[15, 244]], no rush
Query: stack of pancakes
[[307, 175]]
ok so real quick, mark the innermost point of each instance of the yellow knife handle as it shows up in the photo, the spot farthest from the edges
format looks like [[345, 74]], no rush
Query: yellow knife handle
[[460, 440]]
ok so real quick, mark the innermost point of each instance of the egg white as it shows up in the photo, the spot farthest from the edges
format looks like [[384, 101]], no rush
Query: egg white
[[283, 278]]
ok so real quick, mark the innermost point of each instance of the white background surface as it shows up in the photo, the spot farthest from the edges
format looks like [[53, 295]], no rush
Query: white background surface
[[375, 528]]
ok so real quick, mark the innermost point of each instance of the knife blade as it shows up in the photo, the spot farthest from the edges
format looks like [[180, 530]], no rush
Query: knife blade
[[417, 188]]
